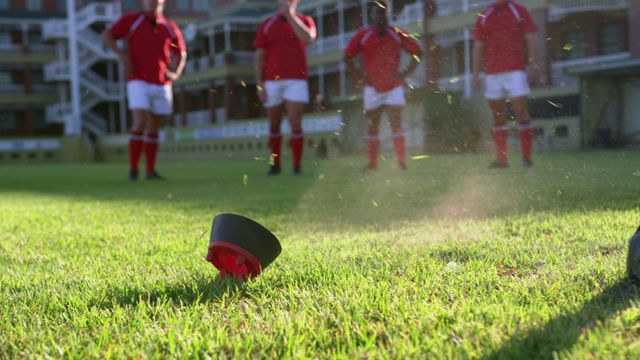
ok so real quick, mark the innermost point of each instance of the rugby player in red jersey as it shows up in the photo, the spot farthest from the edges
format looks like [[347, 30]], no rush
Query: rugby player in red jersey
[[381, 77], [500, 35], [281, 76], [155, 56]]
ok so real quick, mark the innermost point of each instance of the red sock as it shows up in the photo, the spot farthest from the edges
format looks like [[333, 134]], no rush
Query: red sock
[[297, 145], [398, 141], [373, 145], [500, 133], [275, 143], [526, 138], [150, 151], [135, 149]]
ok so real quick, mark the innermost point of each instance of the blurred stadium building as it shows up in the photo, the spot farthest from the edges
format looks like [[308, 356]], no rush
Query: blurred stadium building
[[217, 112]]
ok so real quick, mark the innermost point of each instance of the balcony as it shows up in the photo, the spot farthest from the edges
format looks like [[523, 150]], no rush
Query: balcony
[[450, 7], [413, 14], [16, 89], [329, 44], [560, 8], [239, 58], [559, 76], [207, 62], [92, 13], [11, 88], [57, 71]]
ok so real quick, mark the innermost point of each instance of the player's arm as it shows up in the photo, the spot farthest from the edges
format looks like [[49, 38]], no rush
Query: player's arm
[[415, 60], [110, 40], [179, 50], [411, 46], [355, 72], [478, 61], [258, 67], [350, 54], [533, 50], [178, 66], [305, 32]]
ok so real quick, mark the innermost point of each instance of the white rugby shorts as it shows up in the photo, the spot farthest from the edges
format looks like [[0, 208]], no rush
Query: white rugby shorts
[[510, 84], [373, 99], [279, 91], [155, 98]]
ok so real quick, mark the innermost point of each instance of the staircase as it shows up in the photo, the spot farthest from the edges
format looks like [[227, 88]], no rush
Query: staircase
[[94, 88]]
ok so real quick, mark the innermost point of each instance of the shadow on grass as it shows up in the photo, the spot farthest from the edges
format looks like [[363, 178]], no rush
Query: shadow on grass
[[562, 332], [197, 291], [334, 193]]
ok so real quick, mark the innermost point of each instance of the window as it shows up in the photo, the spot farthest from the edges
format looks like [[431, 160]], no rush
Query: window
[[5, 4], [8, 120], [35, 38], [449, 60], [5, 39], [40, 120], [183, 5], [610, 39], [34, 5], [574, 46], [201, 5], [37, 77], [5, 78]]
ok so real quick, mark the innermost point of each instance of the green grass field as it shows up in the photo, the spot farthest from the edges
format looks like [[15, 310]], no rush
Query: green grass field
[[447, 260]]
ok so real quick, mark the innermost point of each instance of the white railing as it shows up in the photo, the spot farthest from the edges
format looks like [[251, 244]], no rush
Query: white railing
[[10, 47], [32, 48], [410, 14], [52, 29], [97, 12], [199, 118], [41, 48], [43, 88], [330, 43], [57, 71], [559, 8], [218, 59], [94, 42], [101, 86], [12, 88], [244, 57], [204, 62], [94, 122], [559, 76], [240, 58], [56, 113], [88, 100], [449, 37], [87, 58], [450, 7]]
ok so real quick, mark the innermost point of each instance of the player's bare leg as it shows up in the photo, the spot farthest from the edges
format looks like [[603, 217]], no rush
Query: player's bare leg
[[373, 139], [395, 120], [136, 140], [521, 111], [152, 129], [275, 138], [294, 112], [500, 132]]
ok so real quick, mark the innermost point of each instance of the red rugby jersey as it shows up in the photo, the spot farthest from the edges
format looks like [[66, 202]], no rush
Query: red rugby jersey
[[284, 54], [150, 42], [502, 27], [380, 48]]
